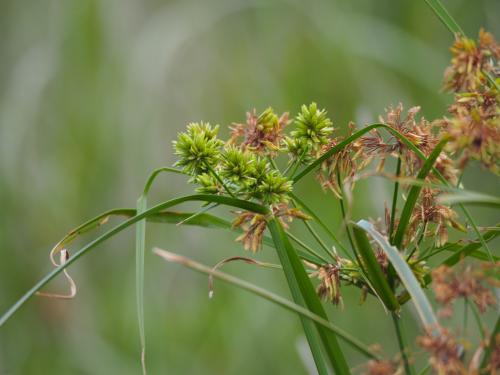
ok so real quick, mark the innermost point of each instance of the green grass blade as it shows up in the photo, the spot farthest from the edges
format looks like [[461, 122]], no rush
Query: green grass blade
[[402, 342], [227, 201], [406, 276], [140, 245], [289, 305], [394, 198], [469, 249], [425, 370], [470, 197], [373, 270], [302, 290], [413, 195], [445, 17]]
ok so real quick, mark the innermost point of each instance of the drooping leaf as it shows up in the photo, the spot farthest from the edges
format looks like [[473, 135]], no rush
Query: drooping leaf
[[303, 291], [289, 305], [373, 270], [405, 274]]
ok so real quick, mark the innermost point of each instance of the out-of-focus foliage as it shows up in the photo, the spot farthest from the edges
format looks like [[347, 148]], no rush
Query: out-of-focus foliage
[[91, 94]]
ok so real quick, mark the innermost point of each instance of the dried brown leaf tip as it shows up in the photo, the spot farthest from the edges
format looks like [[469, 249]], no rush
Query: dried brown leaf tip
[[261, 133], [470, 282], [444, 352], [254, 225], [469, 60]]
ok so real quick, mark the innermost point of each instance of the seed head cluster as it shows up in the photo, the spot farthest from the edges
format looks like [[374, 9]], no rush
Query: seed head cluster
[[264, 153]]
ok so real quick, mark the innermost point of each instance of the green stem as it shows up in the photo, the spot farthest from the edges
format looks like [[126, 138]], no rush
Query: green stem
[[477, 318], [320, 222], [307, 247], [298, 162], [344, 215], [289, 305], [395, 199], [403, 346], [318, 238], [217, 177], [273, 163]]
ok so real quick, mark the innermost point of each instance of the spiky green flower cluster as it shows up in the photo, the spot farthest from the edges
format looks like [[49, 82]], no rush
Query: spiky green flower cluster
[[198, 148], [237, 167], [217, 168], [312, 125], [249, 174], [274, 188], [299, 149], [242, 165], [268, 120]]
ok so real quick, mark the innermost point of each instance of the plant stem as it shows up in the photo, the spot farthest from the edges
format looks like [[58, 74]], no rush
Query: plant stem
[[289, 305], [273, 163], [306, 247], [317, 219], [297, 163], [402, 343], [217, 177], [394, 199], [344, 216], [477, 318], [317, 238]]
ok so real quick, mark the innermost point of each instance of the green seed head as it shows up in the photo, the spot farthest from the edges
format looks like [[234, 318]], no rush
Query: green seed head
[[312, 125], [198, 148]]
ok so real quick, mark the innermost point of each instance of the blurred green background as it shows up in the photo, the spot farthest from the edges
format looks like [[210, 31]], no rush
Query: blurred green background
[[91, 95]]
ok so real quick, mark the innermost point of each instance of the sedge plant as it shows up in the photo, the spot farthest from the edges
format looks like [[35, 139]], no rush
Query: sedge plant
[[394, 260]]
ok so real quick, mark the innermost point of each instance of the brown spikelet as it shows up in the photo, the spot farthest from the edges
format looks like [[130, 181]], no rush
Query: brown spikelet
[[444, 352], [450, 284]]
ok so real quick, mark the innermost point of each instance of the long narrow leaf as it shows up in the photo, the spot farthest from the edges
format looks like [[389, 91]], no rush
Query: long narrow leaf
[[289, 305], [232, 202], [470, 197], [468, 249], [414, 193], [140, 245], [406, 275], [444, 16], [301, 288], [373, 270]]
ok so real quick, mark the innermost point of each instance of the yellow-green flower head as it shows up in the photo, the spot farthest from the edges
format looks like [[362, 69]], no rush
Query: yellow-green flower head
[[260, 169], [238, 167], [313, 125], [208, 184], [274, 188], [298, 149], [198, 148], [268, 120]]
